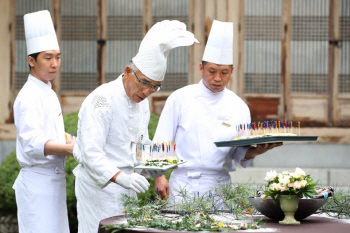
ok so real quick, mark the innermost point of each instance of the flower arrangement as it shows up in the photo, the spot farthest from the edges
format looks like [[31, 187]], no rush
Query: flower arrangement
[[289, 183]]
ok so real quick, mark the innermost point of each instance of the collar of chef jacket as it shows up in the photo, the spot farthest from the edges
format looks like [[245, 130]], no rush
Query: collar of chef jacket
[[40, 83], [205, 92]]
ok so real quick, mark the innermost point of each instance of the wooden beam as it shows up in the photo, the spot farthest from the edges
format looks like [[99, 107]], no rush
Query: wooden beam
[[190, 27], [285, 59], [197, 19], [101, 40], [210, 15], [236, 15], [13, 58], [6, 38], [147, 16], [56, 19], [241, 57], [221, 10], [333, 52]]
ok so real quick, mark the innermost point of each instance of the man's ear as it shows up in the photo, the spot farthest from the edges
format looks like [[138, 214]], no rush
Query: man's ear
[[127, 70], [201, 68], [31, 61]]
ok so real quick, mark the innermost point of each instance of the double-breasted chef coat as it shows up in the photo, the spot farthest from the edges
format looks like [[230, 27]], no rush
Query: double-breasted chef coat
[[195, 117], [41, 184], [110, 124]]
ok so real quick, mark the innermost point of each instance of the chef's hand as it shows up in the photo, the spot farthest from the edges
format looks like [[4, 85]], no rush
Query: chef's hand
[[260, 149], [162, 187], [133, 181], [70, 141]]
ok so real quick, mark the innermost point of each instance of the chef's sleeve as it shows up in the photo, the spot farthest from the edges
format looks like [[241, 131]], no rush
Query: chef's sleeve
[[95, 124], [29, 129]]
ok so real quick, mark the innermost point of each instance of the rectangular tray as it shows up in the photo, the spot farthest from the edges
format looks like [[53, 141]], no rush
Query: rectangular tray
[[263, 140], [164, 168]]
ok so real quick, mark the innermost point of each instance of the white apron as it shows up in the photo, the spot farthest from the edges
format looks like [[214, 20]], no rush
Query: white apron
[[102, 202], [44, 199], [196, 183]]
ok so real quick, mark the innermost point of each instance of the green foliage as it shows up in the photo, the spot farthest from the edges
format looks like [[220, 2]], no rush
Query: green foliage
[[152, 126], [193, 213], [9, 170], [339, 205], [237, 197]]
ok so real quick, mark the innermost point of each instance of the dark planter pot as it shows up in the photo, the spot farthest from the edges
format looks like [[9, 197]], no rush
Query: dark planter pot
[[306, 208]]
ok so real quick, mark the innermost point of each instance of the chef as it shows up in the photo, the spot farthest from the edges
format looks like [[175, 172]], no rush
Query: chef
[[41, 147], [113, 125], [198, 115]]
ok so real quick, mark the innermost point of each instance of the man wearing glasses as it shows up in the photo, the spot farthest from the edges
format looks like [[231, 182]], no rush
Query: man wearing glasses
[[113, 122]]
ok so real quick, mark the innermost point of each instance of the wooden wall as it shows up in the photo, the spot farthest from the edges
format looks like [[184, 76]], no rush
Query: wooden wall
[[327, 108]]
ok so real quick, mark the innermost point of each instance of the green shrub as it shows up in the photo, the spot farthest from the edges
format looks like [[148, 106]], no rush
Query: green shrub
[[10, 168]]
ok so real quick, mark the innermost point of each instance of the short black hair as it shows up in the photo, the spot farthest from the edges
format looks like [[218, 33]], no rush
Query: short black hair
[[35, 56], [205, 62]]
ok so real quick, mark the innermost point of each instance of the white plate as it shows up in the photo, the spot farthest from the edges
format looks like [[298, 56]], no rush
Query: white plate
[[164, 168]]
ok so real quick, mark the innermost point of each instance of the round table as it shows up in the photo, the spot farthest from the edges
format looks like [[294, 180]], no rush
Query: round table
[[312, 224]]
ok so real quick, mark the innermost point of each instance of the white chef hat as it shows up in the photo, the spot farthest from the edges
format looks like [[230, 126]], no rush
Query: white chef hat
[[40, 33], [219, 48], [155, 47]]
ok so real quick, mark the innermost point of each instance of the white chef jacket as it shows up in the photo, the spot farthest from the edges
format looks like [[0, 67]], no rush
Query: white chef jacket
[[41, 185], [110, 124], [195, 117]]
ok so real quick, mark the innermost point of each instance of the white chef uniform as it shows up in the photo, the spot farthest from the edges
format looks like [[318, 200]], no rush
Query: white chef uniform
[[107, 138], [110, 125], [195, 117], [41, 184]]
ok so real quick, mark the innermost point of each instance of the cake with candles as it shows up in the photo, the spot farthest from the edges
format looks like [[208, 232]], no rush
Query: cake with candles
[[267, 129], [160, 155]]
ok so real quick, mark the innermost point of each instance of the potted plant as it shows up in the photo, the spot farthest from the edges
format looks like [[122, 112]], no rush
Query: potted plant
[[288, 187]]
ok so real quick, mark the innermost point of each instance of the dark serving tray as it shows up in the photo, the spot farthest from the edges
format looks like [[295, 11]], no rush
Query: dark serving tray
[[266, 139]]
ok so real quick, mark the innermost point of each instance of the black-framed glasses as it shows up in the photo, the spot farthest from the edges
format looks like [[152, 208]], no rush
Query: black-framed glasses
[[147, 84]]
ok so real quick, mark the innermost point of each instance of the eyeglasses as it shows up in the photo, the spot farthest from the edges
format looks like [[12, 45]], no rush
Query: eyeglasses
[[147, 84]]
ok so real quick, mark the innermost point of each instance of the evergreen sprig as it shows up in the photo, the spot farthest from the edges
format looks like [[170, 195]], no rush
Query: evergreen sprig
[[194, 212]]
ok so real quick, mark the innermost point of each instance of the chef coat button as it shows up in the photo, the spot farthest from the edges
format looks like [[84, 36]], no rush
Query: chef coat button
[[130, 129], [57, 170], [130, 106], [131, 116]]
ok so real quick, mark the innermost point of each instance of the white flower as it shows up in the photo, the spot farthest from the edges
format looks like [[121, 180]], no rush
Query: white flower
[[303, 183], [270, 176], [299, 173], [290, 185], [282, 187], [284, 180], [297, 184], [274, 186]]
